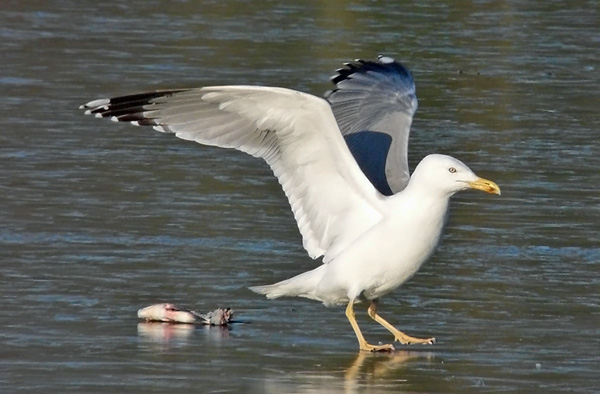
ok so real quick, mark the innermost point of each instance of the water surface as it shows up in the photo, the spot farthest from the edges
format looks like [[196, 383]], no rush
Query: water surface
[[100, 219]]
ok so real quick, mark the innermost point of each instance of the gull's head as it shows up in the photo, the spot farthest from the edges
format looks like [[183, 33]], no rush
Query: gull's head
[[447, 175]]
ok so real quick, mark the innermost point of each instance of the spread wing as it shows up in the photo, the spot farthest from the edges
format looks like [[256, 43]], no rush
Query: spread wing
[[295, 133], [374, 103]]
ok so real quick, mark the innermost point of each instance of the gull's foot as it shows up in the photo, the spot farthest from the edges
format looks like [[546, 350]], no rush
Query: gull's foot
[[408, 340], [377, 348]]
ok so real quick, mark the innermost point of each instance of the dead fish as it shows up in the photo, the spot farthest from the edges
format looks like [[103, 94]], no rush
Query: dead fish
[[170, 313]]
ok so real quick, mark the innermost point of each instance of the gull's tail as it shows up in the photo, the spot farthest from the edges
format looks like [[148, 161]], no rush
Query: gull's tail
[[303, 285]]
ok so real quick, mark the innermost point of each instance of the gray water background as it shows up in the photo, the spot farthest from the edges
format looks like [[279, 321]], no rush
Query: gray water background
[[99, 219]]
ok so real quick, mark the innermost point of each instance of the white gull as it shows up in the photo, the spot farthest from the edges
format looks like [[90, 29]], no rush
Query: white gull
[[371, 240]]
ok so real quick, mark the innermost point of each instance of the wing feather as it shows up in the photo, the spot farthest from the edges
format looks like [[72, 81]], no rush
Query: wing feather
[[295, 133], [376, 97]]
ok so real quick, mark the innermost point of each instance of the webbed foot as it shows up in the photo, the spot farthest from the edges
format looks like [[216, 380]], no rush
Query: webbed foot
[[376, 348], [408, 340]]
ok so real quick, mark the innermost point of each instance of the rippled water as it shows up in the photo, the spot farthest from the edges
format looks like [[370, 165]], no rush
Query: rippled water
[[100, 219]]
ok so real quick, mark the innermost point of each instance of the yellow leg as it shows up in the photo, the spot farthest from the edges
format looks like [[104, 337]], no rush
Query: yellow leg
[[362, 343], [399, 335]]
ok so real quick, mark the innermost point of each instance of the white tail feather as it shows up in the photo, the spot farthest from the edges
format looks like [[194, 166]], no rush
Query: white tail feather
[[303, 285]]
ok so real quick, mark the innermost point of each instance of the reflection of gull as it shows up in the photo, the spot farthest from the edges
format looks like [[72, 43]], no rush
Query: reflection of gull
[[370, 243], [374, 366], [366, 372]]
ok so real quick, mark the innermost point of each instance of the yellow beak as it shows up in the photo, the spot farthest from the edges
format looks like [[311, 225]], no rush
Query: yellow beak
[[485, 185]]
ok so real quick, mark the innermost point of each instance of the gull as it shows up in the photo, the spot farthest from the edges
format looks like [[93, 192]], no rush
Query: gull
[[342, 164]]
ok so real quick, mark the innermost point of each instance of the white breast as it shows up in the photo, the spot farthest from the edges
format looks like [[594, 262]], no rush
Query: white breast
[[378, 263]]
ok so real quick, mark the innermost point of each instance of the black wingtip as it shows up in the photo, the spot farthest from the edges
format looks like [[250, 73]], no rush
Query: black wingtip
[[383, 64], [127, 108]]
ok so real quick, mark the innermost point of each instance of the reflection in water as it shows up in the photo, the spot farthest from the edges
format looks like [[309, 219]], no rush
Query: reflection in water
[[163, 336], [369, 366], [366, 370]]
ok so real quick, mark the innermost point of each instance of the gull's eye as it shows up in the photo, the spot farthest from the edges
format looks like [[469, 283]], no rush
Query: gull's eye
[[452, 170]]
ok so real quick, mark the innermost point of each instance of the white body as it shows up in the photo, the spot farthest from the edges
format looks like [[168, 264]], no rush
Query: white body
[[382, 258], [398, 258]]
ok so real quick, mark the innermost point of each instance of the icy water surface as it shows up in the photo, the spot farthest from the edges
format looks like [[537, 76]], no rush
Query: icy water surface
[[100, 219]]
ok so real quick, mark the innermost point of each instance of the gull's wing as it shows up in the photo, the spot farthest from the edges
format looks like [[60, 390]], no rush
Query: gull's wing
[[295, 133], [374, 103]]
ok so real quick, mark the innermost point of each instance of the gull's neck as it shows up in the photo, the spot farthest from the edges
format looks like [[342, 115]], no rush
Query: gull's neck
[[419, 189], [422, 201]]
